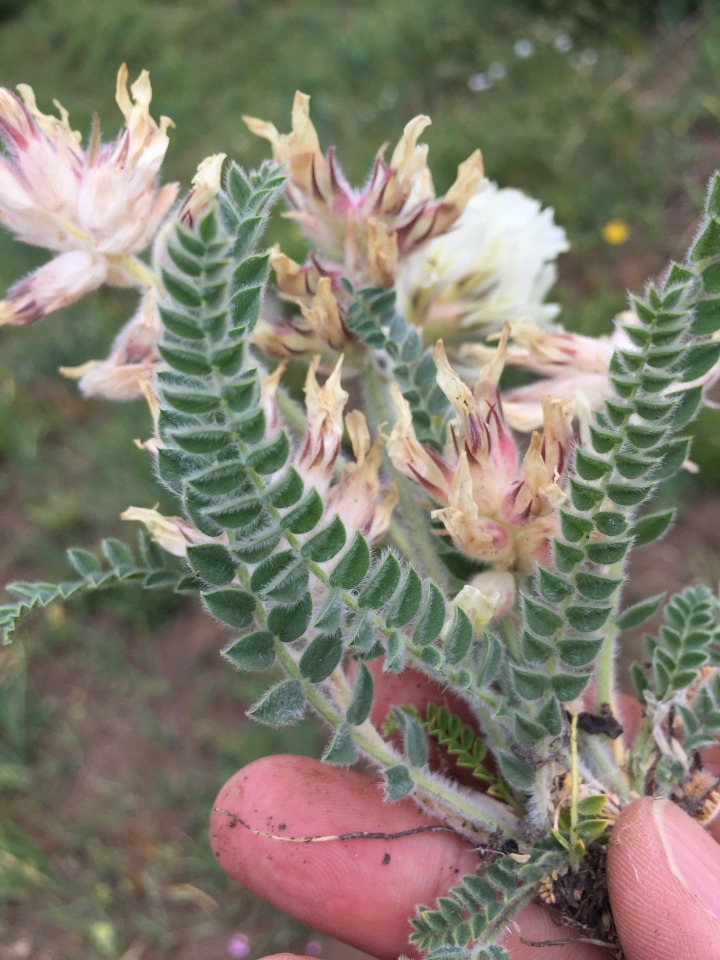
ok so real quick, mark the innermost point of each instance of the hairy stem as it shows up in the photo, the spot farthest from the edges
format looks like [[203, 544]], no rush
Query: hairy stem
[[420, 540], [468, 814]]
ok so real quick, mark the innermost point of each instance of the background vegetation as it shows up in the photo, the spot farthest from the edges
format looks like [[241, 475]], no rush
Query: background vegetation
[[118, 723]]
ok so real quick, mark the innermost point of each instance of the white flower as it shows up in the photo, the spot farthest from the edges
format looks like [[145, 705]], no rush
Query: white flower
[[495, 265]]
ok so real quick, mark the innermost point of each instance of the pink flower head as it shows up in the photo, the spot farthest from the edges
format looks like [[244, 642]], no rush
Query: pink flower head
[[492, 510], [100, 205], [392, 215], [361, 234]]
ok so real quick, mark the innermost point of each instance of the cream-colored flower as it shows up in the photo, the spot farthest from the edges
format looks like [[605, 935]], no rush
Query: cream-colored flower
[[358, 497], [97, 207], [205, 188], [414, 460], [497, 264], [321, 446], [490, 595], [268, 397], [572, 366], [318, 329], [132, 362], [173, 534]]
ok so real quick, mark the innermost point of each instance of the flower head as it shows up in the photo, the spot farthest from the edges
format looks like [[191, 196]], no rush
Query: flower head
[[494, 510], [361, 234], [497, 264], [399, 197], [97, 207]]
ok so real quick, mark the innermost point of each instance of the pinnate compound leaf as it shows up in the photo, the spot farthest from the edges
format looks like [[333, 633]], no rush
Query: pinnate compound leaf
[[282, 705]]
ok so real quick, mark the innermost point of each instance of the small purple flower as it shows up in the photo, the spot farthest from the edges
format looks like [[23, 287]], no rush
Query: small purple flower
[[238, 946], [314, 948]]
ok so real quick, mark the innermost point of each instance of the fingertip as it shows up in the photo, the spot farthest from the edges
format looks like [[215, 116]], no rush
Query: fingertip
[[664, 882]]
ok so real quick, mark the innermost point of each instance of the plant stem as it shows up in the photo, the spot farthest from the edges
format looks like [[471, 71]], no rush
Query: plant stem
[[420, 538], [417, 541], [468, 814]]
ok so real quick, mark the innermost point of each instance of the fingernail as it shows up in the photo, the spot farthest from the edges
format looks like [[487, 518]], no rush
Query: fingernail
[[693, 855]]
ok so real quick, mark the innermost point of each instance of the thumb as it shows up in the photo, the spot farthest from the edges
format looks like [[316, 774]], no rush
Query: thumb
[[664, 881]]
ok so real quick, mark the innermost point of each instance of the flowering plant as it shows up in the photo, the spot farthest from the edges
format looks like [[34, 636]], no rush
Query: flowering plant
[[401, 519]]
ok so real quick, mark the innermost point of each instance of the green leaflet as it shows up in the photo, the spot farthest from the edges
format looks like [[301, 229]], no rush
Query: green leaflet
[[254, 651], [281, 705]]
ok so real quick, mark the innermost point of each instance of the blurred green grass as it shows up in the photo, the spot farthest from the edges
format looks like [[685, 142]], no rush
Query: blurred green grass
[[118, 722]]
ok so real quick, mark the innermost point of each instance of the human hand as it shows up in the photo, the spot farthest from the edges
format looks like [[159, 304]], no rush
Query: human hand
[[663, 869]]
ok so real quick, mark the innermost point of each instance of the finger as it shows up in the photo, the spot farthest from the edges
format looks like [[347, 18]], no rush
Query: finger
[[539, 926], [664, 879], [360, 891]]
